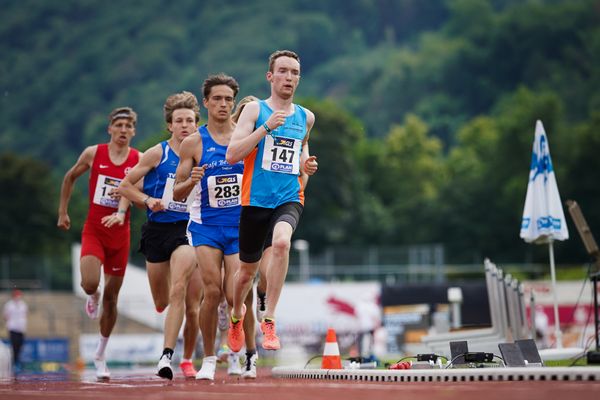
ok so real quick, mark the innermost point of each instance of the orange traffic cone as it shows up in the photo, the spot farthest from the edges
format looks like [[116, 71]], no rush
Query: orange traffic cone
[[331, 352]]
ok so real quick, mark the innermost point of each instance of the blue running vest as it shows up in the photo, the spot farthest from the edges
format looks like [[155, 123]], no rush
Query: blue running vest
[[218, 201], [272, 170], [159, 183]]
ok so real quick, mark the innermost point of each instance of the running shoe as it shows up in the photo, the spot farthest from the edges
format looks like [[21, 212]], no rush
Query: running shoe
[[187, 367], [261, 306], [164, 369], [235, 334], [233, 364], [222, 313], [250, 367], [207, 372], [102, 371], [92, 305], [270, 339]]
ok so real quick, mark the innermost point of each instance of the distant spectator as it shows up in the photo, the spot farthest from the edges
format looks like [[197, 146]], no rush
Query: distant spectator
[[15, 315]]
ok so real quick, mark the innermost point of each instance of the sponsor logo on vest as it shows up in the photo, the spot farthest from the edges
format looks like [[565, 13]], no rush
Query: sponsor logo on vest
[[281, 167], [178, 207], [226, 179], [282, 142], [228, 202]]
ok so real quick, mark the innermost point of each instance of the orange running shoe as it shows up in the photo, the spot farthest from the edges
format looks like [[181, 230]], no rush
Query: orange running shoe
[[270, 339], [188, 369], [235, 334]]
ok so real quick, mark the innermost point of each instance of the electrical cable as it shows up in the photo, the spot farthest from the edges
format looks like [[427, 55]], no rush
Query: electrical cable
[[310, 359], [463, 354], [587, 321]]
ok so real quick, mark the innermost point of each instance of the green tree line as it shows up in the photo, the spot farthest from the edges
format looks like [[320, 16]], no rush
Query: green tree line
[[425, 109]]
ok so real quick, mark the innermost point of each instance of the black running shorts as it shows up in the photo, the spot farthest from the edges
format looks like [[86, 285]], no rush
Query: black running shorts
[[257, 222], [160, 239]]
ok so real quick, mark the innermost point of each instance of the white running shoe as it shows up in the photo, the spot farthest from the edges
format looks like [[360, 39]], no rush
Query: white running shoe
[[92, 305], [250, 367], [233, 364], [164, 369], [102, 371], [207, 372]]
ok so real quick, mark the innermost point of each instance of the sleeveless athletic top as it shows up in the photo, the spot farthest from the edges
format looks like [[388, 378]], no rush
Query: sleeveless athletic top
[[158, 183], [272, 169], [219, 198], [105, 176]]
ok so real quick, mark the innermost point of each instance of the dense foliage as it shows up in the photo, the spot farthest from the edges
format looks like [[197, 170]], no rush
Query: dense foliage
[[425, 109]]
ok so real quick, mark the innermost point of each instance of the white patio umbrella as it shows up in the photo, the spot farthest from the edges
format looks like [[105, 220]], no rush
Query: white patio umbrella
[[543, 217]]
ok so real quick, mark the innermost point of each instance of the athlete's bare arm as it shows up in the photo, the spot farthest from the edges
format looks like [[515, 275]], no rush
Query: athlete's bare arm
[[118, 217], [245, 137], [84, 162], [308, 163], [188, 174], [131, 186]]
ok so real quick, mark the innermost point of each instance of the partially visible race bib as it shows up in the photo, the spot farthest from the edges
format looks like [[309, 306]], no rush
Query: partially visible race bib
[[173, 205], [281, 155], [104, 186], [224, 190]]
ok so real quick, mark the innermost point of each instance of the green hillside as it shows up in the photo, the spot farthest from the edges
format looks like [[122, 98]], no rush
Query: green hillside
[[425, 108]]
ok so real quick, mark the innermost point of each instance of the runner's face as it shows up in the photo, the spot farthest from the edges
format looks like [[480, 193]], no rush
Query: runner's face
[[121, 131], [183, 123], [219, 103], [285, 77]]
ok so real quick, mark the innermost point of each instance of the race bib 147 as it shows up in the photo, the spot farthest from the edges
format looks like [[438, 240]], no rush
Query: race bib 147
[[281, 155]]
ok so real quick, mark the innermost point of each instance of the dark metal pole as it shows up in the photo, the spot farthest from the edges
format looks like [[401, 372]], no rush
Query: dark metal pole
[[595, 288]]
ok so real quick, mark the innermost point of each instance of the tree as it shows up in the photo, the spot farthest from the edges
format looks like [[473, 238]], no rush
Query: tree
[[406, 178], [482, 201], [464, 214], [335, 208], [28, 213], [579, 180]]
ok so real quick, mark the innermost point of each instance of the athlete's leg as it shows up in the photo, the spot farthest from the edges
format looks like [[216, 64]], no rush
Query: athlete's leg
[[253, 230], [209, 262], [232, 266], [108, 318], [250, 323], [242, 285], [90, 267], [261, 286], [192, 313], [278, 267], [182, 265], [159, 277]]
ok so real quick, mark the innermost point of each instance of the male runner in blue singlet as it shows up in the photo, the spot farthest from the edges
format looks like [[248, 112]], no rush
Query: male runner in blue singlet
[[215, 212], [170, 260], [272, 139]]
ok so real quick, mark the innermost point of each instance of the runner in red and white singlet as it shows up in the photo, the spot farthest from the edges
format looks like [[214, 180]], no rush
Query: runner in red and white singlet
[[105, 237]]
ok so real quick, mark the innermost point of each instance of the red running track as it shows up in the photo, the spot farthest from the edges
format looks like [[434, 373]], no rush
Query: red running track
[[141, 384]]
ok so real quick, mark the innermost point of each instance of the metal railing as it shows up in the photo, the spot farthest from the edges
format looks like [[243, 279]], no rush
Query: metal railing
[[391, 265], [392, 274]]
